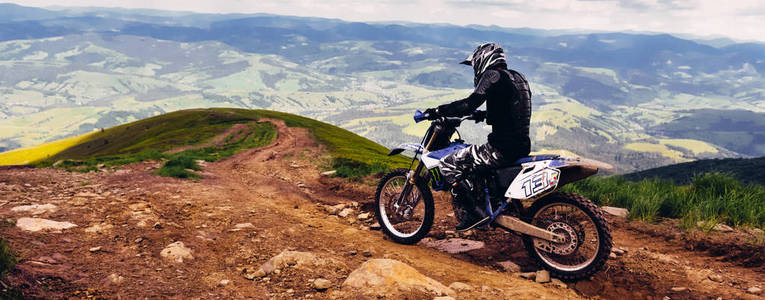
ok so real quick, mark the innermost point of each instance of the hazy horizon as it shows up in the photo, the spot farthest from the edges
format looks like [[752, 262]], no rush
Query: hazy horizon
[[739, 20]]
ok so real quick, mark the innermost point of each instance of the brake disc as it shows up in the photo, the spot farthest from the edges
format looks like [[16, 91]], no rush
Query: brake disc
[[568, 246]]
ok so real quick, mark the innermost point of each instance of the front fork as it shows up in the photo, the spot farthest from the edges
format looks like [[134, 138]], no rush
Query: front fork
[[401, 206]]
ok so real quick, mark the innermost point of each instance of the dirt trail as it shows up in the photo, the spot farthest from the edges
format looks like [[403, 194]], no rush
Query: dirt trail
[[132, 215]]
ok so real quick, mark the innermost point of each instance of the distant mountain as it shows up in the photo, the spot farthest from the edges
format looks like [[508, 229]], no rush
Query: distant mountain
[[635, 100], [751, 170]]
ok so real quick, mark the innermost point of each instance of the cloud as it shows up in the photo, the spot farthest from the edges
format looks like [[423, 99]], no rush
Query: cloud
[[740, 19]]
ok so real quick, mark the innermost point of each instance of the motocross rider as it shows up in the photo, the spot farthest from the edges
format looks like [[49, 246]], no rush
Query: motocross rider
[[508, 110]]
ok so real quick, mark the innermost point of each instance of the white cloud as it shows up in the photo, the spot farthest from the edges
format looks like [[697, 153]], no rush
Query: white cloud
[[740, 19]]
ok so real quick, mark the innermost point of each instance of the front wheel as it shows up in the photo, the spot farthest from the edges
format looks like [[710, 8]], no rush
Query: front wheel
[[587, 236], [407, 219]]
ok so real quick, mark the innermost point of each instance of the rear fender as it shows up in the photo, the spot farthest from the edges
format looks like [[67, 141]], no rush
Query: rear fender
[[575, 169]]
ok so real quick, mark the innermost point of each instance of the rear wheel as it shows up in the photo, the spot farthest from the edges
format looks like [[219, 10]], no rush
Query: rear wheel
[[587, 236], [407, 219]]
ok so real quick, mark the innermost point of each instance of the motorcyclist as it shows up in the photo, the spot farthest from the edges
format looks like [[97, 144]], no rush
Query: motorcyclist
[[508, 110]]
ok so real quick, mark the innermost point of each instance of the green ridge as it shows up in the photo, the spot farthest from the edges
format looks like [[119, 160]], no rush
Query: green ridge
[[150, 138]]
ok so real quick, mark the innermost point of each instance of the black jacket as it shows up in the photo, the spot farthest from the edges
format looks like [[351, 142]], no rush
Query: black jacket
[[508, 110]]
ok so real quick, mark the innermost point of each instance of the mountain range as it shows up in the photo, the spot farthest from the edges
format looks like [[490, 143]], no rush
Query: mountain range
[[635, 100]]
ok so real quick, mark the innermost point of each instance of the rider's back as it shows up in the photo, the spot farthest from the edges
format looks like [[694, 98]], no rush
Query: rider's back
[[508, 107]]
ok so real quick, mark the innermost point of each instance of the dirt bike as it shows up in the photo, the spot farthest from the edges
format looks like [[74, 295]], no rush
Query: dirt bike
[[565, 233]]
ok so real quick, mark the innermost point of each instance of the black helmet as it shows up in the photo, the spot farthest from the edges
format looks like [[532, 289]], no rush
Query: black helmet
[[486, 56]]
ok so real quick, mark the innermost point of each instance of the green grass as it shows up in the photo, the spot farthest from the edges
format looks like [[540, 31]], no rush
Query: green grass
[[710, 198], [7, 258], [149, 139]]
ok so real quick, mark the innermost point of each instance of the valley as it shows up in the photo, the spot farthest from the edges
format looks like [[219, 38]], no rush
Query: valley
[[637, 101]]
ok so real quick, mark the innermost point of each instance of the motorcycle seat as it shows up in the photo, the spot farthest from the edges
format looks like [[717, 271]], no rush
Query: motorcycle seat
[[539, 157]]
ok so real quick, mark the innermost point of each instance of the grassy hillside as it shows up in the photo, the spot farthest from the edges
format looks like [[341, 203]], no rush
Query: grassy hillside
[[709, 199], [747, 170], [151, 138]]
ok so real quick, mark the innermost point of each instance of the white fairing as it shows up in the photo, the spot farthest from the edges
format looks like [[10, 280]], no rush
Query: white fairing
[[534, 180], [429, 162]]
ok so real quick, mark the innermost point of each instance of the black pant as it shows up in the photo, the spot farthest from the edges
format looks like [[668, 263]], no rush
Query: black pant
[[456, 166]]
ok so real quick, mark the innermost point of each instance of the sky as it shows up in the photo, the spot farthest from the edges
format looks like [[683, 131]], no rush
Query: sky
[[737, 19]]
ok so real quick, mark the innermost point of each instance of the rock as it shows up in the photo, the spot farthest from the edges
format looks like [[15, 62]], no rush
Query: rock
[[345, 212], [543, 276], [296, 259], [509, 266], [302, 185], [321, 284], [678, 289], [116, 279], [177, 252], [460, 287], [251, 275], [715, 277], [454, 245], [328, 173], [354, 204], [242, 226], [391, 277], [528, 275], [375, 226], [722, 227], [334, 209], [224, 282], [615, 211], [36, 209], [363, 216], [617, 251], [99, 228], [612, 255], [754, 290], [557, 282], [95, 249], [38, 224], [443, 298]]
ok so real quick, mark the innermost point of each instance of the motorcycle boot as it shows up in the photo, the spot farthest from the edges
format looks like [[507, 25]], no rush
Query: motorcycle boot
[[466, 209]]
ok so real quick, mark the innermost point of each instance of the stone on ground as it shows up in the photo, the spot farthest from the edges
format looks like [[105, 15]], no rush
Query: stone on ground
[[509, 266], [345, 212], [754, 290], [322, 284], [35, 209], [116, 279], [177, 252], [38, 224], [460, 287], [455, 245], [334, 209], [722, 227], [393, 278], [296, 259], [328, 173], [616, 211], [542, 276]]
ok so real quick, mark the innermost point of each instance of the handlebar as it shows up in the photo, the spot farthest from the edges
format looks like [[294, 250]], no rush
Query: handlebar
[[421, 116]]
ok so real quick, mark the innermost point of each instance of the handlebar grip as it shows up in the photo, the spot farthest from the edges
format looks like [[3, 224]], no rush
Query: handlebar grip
[[419, 116]]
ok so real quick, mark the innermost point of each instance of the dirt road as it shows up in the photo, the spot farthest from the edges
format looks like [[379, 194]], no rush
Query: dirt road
[[256, 204]]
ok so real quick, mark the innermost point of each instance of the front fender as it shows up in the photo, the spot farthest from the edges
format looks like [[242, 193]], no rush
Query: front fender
[[417, 148]]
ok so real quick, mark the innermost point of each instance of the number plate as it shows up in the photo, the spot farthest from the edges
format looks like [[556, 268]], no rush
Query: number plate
[[533, 184]]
